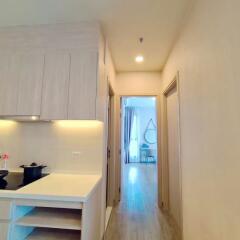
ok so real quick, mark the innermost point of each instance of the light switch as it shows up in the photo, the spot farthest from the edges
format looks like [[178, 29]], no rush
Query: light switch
[[76, 155]]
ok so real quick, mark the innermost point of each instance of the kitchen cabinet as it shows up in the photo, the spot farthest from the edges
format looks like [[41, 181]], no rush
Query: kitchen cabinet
[[21, 83], [30, 75], [5, 209], [5, 218], [70, 86], [4, 231], [59, 218], [41, 210], [55, 86], [56, 72], [8, 86], [83, 86]]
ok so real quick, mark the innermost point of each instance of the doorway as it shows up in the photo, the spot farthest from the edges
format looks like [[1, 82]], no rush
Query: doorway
[[139, 145], [139, 130]]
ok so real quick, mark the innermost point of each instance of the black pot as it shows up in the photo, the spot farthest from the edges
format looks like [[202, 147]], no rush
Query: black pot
[[3, 174], [32, 171]]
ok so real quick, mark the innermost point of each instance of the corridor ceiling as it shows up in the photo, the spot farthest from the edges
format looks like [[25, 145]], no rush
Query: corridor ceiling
[[123, 22]]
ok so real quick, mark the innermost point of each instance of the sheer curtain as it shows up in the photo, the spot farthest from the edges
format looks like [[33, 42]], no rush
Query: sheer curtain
[[134, 144], [131, 137]]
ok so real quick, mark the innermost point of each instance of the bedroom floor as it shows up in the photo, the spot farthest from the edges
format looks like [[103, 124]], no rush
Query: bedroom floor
[[137, 216]]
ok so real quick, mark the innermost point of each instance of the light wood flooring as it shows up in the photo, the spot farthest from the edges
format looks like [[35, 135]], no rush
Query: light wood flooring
[[137, 216]]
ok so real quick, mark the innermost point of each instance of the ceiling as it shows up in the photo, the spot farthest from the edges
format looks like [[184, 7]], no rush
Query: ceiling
[[123, 21]]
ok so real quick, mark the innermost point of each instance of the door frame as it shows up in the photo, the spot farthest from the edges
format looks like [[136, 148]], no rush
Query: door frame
[[164, 147], [110, 148], [119, 158]]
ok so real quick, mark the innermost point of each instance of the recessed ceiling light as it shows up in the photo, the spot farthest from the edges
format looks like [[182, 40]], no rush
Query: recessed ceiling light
[[34, 118], [139, 59]]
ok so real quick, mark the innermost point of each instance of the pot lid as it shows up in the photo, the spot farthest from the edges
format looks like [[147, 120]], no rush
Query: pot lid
[[32, 165]]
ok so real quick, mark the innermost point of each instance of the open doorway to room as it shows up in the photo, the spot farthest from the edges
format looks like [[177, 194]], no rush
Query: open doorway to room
[[139, 152], [139, 130]]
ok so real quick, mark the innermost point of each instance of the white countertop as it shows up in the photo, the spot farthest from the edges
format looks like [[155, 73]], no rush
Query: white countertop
[[58, 187]]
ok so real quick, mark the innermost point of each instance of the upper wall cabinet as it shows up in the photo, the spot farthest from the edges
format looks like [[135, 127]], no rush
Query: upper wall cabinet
[[20, 83], [55, 86], [52, 71], [70, 86], [30, 70], [83, 86], [8, 86]]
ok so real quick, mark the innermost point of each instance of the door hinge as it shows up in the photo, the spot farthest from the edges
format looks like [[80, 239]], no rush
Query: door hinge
[[108, 153]]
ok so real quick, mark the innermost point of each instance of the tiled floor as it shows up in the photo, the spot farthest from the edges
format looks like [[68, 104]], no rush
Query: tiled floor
[[137, 217]]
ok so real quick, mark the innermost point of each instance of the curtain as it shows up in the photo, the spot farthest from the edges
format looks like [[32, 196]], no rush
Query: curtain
[[128, 123], [134, 145]]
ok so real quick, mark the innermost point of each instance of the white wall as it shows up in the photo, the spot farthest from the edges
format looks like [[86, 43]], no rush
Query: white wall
[[53, 144], [138, 83], [207, 58], [110, 68], [144, 115]]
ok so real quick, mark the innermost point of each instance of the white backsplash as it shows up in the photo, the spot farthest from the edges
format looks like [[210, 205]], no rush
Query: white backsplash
[[74, 146]]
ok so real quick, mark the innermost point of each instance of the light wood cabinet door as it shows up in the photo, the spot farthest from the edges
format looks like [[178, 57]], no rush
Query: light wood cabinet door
[[4, 231], [83, 86], [30, 77], [55, 86], [8, 84], [20, 84], [5, 209]]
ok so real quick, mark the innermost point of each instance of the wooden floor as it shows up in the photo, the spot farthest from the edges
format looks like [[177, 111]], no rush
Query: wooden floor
[[137, 216]]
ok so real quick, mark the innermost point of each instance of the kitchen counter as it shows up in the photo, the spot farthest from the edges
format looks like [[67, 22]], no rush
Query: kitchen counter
[[58, 187], [66, 205]]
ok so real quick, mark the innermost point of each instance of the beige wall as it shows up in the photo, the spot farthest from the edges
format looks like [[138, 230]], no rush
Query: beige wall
[[207, 58], [138, 83], [53, 144], [110, 69]]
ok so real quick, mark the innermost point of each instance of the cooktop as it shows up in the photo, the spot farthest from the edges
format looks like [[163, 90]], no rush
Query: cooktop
[[15, 180]]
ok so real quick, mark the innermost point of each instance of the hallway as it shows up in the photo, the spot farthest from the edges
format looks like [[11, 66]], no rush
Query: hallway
[[137, 216]]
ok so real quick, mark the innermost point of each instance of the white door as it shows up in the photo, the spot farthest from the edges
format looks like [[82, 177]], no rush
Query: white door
[[173, 155]]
